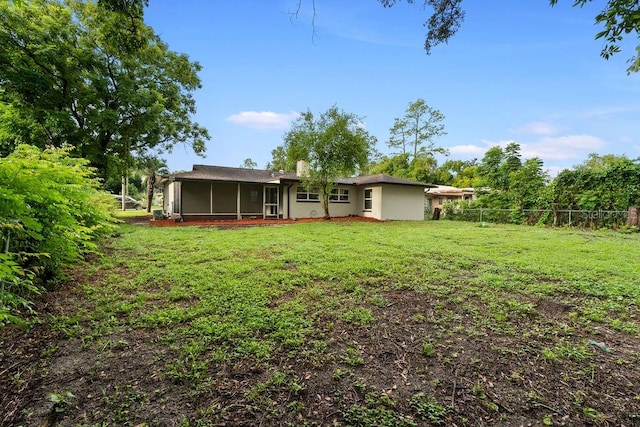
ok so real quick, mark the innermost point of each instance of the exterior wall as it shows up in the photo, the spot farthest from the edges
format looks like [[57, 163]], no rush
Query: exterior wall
[[304, 209], [313, 209], [171, 198], [402, 202], [388, 202], [376, 202]]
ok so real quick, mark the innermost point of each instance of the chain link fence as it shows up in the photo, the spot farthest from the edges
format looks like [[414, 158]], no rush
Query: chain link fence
[[558, 218]]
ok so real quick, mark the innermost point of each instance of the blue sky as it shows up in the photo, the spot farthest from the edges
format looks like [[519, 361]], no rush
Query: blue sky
[[518, 70]]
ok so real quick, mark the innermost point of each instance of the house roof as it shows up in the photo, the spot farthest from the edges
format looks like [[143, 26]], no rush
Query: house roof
[[229, 174], [387, 179], [224, 173], [446, 190]]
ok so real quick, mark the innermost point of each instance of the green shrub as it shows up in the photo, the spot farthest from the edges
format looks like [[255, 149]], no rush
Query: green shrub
[[52, 212]]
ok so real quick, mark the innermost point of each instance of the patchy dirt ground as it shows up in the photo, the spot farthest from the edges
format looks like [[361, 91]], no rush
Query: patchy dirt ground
[[383, 373], [481, 380]]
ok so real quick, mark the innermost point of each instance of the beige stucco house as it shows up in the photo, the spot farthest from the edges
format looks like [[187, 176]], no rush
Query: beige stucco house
[[237, 193]]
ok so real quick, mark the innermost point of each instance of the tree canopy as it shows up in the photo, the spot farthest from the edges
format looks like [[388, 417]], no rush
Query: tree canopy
[[417, 130], [69, 75], [334, 144], [412, 136]]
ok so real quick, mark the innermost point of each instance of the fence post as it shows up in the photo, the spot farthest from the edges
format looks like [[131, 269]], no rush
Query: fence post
[[633, 217]]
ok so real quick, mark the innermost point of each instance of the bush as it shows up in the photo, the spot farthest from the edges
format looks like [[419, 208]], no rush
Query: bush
[[52, 212]]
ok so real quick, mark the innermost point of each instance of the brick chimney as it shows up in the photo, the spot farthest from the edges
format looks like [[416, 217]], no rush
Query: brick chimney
[[302, 168]]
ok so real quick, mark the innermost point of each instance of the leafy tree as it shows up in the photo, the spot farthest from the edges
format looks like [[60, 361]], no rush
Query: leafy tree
[[452, 172], [443, 24], [419, 126], [526, 185], [467, 177], [505, 182], [490, 171], [422, 168], [512, 160], [458, 173], [69, 76], [413, 136], [334, 144], [249, 164], [398, 165], [284, 157], [399, 136]]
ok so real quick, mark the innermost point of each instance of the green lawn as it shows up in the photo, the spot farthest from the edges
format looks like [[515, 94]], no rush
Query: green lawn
[[397, 323]]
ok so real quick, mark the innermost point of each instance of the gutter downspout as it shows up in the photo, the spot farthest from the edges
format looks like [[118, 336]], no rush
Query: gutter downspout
[[289, 201], [238, 213], [180, 204]]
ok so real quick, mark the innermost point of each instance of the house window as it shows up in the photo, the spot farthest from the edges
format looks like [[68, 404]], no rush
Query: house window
[[440, 200], [254, 196], [339, 195], [307, 195], [368, 199]]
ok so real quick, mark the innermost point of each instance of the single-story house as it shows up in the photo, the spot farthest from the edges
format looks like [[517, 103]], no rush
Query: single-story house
[[237, 193], [437, 195]]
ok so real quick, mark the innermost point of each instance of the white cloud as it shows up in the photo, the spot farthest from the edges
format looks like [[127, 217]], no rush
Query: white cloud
[[263, 120], [626, 139], [488, 143], [608, 112], [467, 150], [560, 148], [538, 128], [563, 147]]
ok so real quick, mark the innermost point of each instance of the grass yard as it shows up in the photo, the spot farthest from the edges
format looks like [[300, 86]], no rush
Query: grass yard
[[336, 323]]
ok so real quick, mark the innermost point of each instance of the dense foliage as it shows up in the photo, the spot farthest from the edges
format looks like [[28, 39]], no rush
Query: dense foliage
[[51, 213], [504, 182], [69, 75]]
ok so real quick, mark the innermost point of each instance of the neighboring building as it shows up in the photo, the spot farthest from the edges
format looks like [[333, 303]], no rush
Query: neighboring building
[[436, 197], [236, 193]]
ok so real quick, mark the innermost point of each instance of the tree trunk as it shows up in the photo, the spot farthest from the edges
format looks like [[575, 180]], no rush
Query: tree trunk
[[151, 182], [325, 205], [123, 191]]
